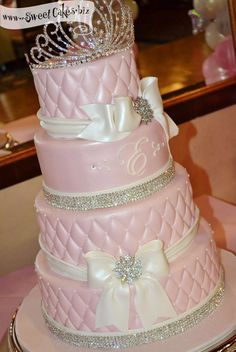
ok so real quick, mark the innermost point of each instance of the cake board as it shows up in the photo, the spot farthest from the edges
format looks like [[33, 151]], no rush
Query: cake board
[[28, 332]]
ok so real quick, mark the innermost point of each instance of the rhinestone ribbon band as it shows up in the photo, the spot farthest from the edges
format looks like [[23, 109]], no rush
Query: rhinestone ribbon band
[[132, 339], [110, 199]]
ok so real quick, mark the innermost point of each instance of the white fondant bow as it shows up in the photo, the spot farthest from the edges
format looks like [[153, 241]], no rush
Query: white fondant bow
[[151, 300], [114, 122], [149, 90]]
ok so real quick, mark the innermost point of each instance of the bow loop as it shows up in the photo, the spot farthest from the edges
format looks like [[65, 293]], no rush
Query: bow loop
[[127, 119], [110, 122], [153, 258], [99, 267], [150, 91]]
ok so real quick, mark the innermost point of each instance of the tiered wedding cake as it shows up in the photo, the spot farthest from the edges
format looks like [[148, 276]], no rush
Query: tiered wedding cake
[[125, 257]]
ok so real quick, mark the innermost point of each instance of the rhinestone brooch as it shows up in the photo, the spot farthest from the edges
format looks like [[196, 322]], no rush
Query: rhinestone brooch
[[143, 108], [128, 269]]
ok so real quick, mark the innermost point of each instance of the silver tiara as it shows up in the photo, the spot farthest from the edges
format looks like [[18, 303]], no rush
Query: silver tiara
[[74, 43]]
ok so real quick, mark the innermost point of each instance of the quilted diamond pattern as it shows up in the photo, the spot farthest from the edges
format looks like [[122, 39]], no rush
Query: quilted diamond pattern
[[197, 280], [62, 91], [68, 235], [74, 305]]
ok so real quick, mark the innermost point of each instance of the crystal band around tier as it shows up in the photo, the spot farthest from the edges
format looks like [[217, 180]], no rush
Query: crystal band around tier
[[134, 338], [135, 192]]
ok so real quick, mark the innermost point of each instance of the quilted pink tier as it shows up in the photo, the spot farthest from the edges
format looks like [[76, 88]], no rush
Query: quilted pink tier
[[166, 215], [84, 166], [192, 278], [62, 91]]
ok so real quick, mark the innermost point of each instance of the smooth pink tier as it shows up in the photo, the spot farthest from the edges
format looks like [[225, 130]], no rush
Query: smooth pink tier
[[84, 166], [192, 277], [62, 91], [166, 215]]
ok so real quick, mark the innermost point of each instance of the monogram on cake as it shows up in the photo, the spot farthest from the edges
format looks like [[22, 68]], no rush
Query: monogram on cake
[[125, 258]]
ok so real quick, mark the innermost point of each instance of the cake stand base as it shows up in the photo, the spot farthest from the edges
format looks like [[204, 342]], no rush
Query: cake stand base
[[28, 332]]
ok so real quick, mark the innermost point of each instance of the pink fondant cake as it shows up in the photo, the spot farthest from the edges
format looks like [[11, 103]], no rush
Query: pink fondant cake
[[125, 257]]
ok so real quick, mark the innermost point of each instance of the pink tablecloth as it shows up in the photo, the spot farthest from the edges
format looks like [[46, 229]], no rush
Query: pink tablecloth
[[14, 286]]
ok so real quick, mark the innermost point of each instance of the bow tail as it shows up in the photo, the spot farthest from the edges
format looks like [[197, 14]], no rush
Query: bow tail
[[173, 128], [113, 308], [152, 302], [169, 126], [149, 90]]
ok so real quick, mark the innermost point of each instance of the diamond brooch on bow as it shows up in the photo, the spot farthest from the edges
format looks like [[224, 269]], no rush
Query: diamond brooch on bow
[[143, 108], [128, 269]]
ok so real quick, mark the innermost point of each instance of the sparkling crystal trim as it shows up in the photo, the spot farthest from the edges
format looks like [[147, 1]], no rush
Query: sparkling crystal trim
[[110, 199], [143, 108], [128, 269], [140, 337], [112, 32]]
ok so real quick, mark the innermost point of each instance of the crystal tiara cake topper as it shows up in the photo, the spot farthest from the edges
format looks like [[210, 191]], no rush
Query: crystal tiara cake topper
[[74, 43]]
